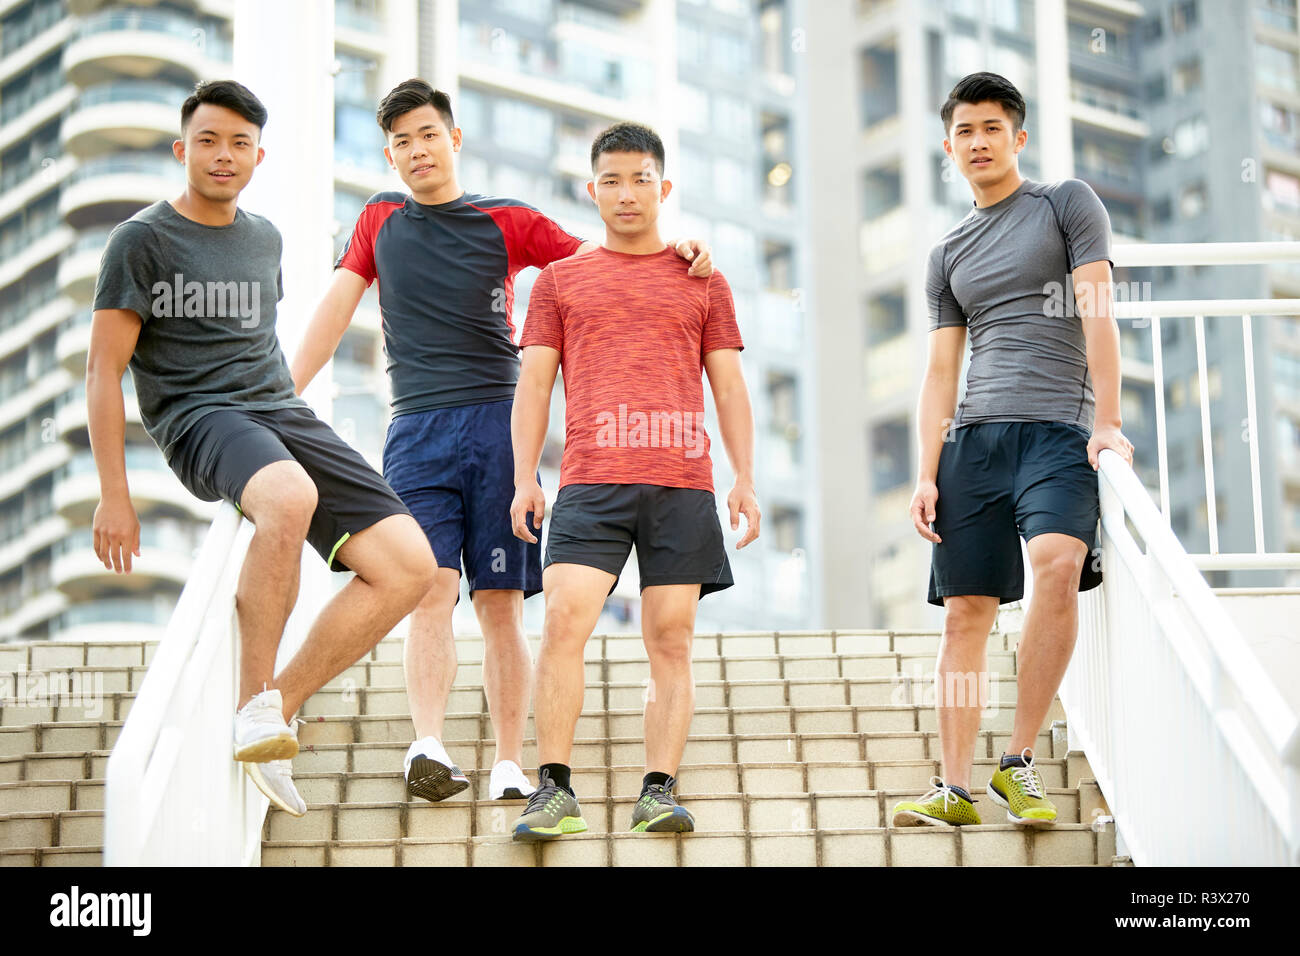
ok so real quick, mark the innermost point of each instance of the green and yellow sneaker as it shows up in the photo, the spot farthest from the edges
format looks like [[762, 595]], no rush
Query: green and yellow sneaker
[[1018, 786], [657, 811], [551, 812], [941, 807]]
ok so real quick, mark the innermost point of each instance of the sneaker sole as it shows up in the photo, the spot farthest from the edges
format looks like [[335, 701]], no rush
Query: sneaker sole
[[433, 781], [1011, 817], [254, 772], [670, 822], [512, 793], [910, 818], [567, 825], [281, 747]]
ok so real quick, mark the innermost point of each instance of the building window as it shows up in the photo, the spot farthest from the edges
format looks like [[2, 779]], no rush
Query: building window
[[878, 84], [882, 191], [1192, 201], [1182, 16], [886, 317], [1186, 76], [1276, 67], [890, 455]]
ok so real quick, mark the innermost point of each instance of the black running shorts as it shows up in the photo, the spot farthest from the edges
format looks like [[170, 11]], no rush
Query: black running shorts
[[220, 452], [999, 482], [676, 531]]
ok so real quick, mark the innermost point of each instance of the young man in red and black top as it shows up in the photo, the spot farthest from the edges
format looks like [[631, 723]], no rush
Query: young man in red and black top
[[632, 331], [446, 262]]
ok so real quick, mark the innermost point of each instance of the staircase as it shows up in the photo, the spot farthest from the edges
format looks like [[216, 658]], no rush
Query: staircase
[[800, 746]]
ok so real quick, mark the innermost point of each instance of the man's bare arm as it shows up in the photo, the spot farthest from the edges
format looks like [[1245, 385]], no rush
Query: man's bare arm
[[328, 323], [1092, 285], [934, 414], [528, 419], [736, 423], [116, 527]]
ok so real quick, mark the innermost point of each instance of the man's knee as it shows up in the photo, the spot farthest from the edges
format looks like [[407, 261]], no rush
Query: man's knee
[[565, 625], [969, 616], [280, 500], [670, 646], [498, 611], [1057, 568]]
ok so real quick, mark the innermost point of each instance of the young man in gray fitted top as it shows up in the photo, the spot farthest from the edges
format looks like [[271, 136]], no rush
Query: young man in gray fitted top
[[1019, 456]]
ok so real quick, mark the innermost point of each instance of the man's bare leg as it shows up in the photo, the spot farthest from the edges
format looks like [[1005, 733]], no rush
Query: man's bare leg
[[507, 668], [394, 569], [429, 657], [668, 627], [1050, 630], [279, 500], [575, 595], [963, 651]]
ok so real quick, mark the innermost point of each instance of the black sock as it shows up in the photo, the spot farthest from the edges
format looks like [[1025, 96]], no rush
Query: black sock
[[559, 774], [1011, 760], [655, 777]]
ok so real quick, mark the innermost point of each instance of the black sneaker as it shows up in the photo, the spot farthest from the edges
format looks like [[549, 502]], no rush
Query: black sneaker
[[657, 811]]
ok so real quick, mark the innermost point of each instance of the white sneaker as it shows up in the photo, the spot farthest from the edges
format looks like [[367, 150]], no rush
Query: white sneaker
[[508, 782], [260, 731], [275, 779], [430, 774]]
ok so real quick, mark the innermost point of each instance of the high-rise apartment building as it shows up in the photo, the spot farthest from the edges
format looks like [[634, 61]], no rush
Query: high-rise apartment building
[[1181, 115]]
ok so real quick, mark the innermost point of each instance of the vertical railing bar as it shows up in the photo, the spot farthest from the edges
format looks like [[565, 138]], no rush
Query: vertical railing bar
[[1252, 423], [1162, 455], [1207, 443]]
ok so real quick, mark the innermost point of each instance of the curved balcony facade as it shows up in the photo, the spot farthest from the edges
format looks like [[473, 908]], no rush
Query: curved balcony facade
[[110, 189], [140, 43], [126, 114]]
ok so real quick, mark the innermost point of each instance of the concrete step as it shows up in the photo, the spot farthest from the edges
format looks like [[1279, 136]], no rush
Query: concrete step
[[607, 695], [598, 723], [42, 655], [717, 748], [1066, 845], [58, 737]]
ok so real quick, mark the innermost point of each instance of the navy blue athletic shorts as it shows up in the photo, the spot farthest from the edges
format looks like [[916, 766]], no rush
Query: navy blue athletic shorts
[[218, 454], [999, 482], [455, 469]]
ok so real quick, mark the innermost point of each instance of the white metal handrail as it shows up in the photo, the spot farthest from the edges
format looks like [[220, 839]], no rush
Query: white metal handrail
[[174, 796], [1211, 253], [1193, 745]]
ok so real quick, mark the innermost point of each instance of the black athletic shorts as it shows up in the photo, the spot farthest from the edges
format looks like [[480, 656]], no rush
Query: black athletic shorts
[[217, 455], [999, 482], [676, 531]]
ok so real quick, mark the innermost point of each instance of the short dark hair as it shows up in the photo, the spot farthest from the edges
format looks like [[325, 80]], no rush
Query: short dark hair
[[629, 138], [984, 88], [411, 95], [227, 93]]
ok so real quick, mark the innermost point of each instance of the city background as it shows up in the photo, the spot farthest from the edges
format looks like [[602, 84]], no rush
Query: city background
[[804, 144]]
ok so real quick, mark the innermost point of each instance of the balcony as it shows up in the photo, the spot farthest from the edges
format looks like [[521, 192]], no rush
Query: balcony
[[154, 489], [71, 417], [73, 343], [166, 557], [141, 43], [122, 115], [79, 264], [114, 188]]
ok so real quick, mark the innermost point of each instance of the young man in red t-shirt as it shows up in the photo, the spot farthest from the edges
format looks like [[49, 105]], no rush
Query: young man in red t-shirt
[[633, 332]]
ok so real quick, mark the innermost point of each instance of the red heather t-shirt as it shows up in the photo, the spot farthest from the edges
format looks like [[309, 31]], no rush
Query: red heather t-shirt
[[632, 331]]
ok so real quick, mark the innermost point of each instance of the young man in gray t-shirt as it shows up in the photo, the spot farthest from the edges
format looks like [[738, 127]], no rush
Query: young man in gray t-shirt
[[1017, 457], [186, 296]]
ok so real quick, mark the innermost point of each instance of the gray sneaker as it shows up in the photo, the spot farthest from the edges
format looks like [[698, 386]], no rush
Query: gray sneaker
[[551, 813], [657, 811]]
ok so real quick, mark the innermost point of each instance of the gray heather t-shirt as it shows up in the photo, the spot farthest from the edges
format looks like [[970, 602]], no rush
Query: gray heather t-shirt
[[206, 296], [1004, 272]]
